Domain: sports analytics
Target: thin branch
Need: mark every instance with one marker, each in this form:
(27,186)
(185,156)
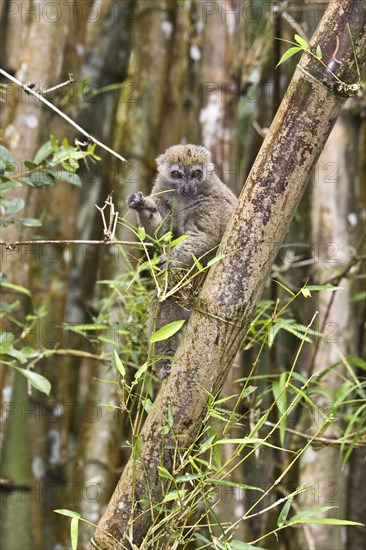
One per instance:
(63,115)
(54,88)
(74,353)
(326,441)
(110,228)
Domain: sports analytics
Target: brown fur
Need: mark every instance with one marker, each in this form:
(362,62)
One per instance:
(195,205)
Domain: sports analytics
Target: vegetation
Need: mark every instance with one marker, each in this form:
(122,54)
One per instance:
(276,458)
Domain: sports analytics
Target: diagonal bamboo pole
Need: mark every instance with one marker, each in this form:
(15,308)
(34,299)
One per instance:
(233,287)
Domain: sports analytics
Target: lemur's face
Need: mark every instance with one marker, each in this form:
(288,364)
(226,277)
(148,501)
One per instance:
(185,168)
(186,180)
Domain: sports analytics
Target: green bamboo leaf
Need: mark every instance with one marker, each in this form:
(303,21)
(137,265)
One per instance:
(7,159)
(292,329)
(306,514)
(238,545)
(12,206)
(200,537)
(216,455)
(39,179)
(68,513)
(136,449)
(174,495)
(359,297)
(167,331)
(224,399)
(187,477)
(307,399)
(163,472)
(178,240)
(8,184)
(284,287)
(170,415)
(306,292)
(30,165)
(207,444)
(216,259)
(197,263)
(147,405)
(117,363)
(167,237)
(6,337)
(20,355)
(74,533)
(319,53)
(328,288)
(141,371)
(357,361)
(233,484)
(109,407)
(38,381)
(69,177)
(280,395)
(302,42)
(239,441)
(43,152)
(17,288)
(288,53)
(284,512)
(247,391)
(141,233)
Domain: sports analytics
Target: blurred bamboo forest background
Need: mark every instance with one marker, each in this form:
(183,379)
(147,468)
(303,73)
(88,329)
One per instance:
(148,74)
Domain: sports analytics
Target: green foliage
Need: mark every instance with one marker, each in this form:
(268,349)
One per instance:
(74,525)
(193,487)
(167,331)
(16,351)
(52,162)
(202,471)
(300,45)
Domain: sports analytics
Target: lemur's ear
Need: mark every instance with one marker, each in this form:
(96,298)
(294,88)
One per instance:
(160,160)
(206,152)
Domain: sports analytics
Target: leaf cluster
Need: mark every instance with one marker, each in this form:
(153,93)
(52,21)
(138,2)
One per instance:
(53,162)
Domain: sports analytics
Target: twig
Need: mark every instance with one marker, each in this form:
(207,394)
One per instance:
(109,229)
(44,91)
(74,353)
(63,115)
(11,245)
(54,88)
(326,441)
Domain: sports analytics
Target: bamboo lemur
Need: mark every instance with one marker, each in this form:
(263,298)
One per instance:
(189,199)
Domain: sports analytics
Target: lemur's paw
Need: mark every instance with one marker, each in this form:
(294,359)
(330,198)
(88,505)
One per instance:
(136,201)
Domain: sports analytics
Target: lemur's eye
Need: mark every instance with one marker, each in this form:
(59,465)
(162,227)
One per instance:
(176,175)
(197,173)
